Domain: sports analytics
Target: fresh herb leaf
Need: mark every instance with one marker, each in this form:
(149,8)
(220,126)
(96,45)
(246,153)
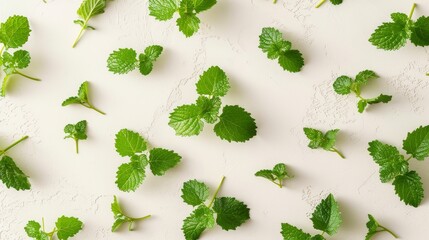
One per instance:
(87,10)
(10,174)
(76,132)
(271,42)
(121,218)
(230,213)
(394,166)
(65,228)
(325,141)
(290,232)
(276,175)
(131,175)
(234,124)
(82,98)
(374,227)
(344,85)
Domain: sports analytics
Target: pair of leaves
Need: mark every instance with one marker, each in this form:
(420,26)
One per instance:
(121,217)
(65,228)
(374,227)
(188,22)
(276,175)
(320,140)
(326,218)
(10,174)
(131,175)
(234,124)
(344,85)
(125,60)
(76,132)
(394,166)
(87,10)
(82,98)
(230,213)
(394,35)
(271,42)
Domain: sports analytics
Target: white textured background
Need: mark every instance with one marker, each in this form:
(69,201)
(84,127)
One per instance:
(333,40)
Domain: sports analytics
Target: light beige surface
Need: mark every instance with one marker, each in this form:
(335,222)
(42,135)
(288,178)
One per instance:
(333,41)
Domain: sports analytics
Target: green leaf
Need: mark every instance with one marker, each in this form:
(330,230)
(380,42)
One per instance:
(290,232)
(231,213)
(68,227)
(363,77)
(315,136)
(372,226)
(362,105)
(213,82)
(12,176)
(343,85)
(128,143)
(161,160)
(391,162)
(389,36)
(145,64)
(199,220)
(82,93)
(90,8)
(194,192)
(336,2)
(15,31)
(203,5)
(318,237)
(153,52)
(380,99)
(186,120)
(420,32)
(291,60)
(122,61)
(235,124)
(417,143)
(130,176)
(163,9)
(21,58)
(33,229)
(280,171)
(409,188)
(266,173)
(329,139)
(71,100)
(118,223)
(115,207)
(76,131)
(327,216)
(400,18)
(209,108)
(271,42)
(188,24)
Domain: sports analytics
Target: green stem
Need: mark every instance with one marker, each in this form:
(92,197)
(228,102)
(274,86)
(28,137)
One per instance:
(408,159)
(90,106)
(320,3)
(77,145)
(216,192)
(79,36)
(389,231)
(24,75)
(412,11)
(142,218)
(338,152)
(2,49)
(130,226)
(13,145)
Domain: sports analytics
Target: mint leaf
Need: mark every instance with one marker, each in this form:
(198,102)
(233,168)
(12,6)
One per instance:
(325,141)
(163,9)
(272,43)
(290,232)
(417,143)
(329,139)
(199,220)
(76,132)
(130,176)
(327,216)
(420,32)
(374,227)
(122,61)
(121,217)
(213,82)
(33,229)
(68,227)
(82,98)
(21,59)
(87,10)
(186,120)
(409,188)
(235,124)
(336,2)
(12,176)
(276,175)
(315,136)
(380,99)
(161,160)
(147,59)
(231,213)
(209,108)
(129,143)
(194,192)
(363,77)
(14,32)
(188,24)
(343,85)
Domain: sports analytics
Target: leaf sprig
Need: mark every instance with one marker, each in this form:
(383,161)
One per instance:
(230,213)
(325,141)
(374,227)
(335,2)
(10,174)
(122,218)
(14,33)
(131,175)
(188,22)
(326,218)
(65,228)
(276,175)
(344,85)
(82,98)
(394,35)
(124,60)
(87,10)
(394,166)
(76,132)
(271,42)
(234,124)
